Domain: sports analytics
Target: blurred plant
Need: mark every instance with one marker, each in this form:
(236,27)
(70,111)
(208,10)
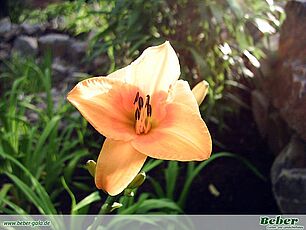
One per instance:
(36,154)
(216,41)
(77,17)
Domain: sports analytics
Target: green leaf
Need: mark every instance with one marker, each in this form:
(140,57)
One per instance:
(151,164)
(86,201)
(158,204)
(43,138)
(235,7)
(157,187)
(76,156)
(4,190)
(171,174)
(41,199)
(17,210)
(73,200)
(29,194)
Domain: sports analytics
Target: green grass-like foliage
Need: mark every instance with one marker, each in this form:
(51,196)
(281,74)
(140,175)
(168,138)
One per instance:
(214,39)
(34,156)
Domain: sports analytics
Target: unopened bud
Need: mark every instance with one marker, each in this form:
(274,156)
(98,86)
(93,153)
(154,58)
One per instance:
(200,91)
(91,167)
(138,180)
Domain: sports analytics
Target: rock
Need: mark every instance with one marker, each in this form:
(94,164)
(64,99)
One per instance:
(292,156)
(8,30)
(280,110)
(5,46)
(291,190)
(29,29)
(278,133)
(5,50)
(61,71)
(286,86)
(14,32)
(58,23)
(288,175)
(269,123)
(99,65)
(4,55)
(26,45)
(5,26)
(260,106)
(76,52)
(56,43)
(40,4)
(74,78)
(292,44)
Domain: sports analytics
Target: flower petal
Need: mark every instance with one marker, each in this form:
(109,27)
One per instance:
(182,135)
(117,166)
(123,74)
(107,104)
(181,93)
(155,70)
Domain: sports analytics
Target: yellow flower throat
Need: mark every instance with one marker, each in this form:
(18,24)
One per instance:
(143,114)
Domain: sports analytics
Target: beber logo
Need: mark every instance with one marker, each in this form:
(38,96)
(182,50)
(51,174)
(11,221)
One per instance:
(280,222)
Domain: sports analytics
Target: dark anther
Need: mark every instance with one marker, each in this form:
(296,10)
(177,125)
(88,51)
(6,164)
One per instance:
(137,114)
(148,100)
(149,110)
(140,102)
(136,98)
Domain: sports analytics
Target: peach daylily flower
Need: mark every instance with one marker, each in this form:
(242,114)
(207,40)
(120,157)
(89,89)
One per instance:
(142,110)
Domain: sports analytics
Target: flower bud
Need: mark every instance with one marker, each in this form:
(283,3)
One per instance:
(137,181)
(200,91)
(91,167)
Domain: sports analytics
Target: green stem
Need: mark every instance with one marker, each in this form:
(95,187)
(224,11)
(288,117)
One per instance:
(107,206)
(105,209)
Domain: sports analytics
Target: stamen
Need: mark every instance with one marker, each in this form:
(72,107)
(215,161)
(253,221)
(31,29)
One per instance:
(136,98)
(143,113)
(149,110)
(140,102)
(148,100)
(148,125)
(137,114)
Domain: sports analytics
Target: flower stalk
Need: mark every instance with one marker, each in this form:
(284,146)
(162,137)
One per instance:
(110,205)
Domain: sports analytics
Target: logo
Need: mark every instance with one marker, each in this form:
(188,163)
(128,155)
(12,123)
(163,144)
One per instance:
(279,222)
